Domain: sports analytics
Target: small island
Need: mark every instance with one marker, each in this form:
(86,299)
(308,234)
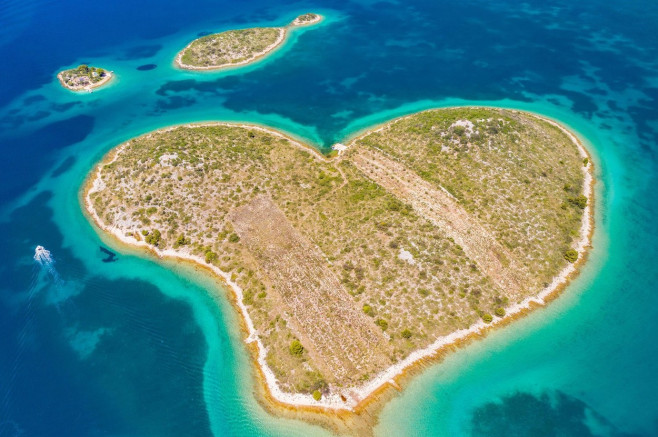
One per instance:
(351,269)
(84,78)
(306,20)
(237,47)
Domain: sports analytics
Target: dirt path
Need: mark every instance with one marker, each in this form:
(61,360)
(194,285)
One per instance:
(339,337)
(439,207)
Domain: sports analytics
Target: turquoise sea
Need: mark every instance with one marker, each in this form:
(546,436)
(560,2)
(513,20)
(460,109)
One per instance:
(137,347)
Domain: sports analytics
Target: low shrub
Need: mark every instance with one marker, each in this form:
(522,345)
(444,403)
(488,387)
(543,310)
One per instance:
(571,255)
(211,256)
(153,238)
(579,201)
(296,348)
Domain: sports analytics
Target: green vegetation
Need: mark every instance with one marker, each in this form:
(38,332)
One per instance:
(571,255)
(296,347)
(95,74)
(210,256)
(317,395)
(181,241)
(500,312)
(382,324)
(488,318)
(82,77)
(406,333)
(580,201)
(306,18)
(153,237)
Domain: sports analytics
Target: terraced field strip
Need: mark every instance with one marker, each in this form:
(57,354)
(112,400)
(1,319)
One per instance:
(442,209)
(339,337)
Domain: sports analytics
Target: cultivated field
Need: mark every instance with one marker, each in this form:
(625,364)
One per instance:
(341,339)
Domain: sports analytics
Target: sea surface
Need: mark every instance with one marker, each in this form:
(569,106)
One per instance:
(137,347)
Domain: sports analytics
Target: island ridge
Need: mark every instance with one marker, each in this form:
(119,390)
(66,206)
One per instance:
(434,224)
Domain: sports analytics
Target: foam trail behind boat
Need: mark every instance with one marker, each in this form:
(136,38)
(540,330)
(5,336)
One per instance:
(58,293)
(43,257)
(25,322)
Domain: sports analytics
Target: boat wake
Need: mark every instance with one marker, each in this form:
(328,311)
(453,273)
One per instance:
(43,257)
(60,290)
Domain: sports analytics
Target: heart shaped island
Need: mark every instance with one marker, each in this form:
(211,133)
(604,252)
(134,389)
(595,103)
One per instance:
(350,268)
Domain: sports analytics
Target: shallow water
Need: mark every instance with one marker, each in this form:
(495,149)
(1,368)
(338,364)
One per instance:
(134,347)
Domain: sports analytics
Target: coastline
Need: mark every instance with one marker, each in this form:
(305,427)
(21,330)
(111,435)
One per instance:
(280,41)
(366,400)
(89,88)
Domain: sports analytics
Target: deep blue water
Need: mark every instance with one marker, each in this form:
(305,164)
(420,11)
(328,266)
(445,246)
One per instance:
(134,347)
